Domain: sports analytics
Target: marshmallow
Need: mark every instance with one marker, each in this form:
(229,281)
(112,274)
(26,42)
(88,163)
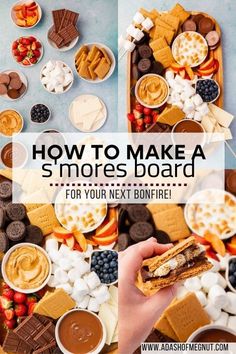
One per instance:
(83,304)
(92,280)
(64,251)
(93,305)
(129,46)
(221,280)
(169,75)
(231,305)
(45,71)
(147,24)
(179,80)
(82,266)
(68,79)
(197,100)
(74,255)
(190,115)
(138,34)
(212,311)
(197,116)
(183,96)
(193,284)
(222,320)
(45,80)
(67,287)
(101,294)
(203,109)
(54,267)
(50,86)
(189,91)
(52,282)
(61,276)
(208,280)
(232,322)
(188,106)
(65,264)
(121,41)
(54,256)
(181,292)
(76,295)
(130,30)
(73,274)
(172,83)
(216,265)
(81,287)
(201,297)
(50,65)
(178,88)
(217,296)
(179,104)
(66,70)
(59,89)
(51,244)
(88,252)
(138,18)
(223,261)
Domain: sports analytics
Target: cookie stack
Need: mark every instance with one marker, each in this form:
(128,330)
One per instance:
(11,85)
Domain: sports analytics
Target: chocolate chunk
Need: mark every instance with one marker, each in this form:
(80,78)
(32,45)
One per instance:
(55,37)
(159,128)
(141,231)
(14,94)
(135,72)
(157,68)
(124,241)
(231,182)
(212,38)
(5,190)
(68,34)
(206,25)
(138,213)
(46,335)
(16,230)
(162,237)
(135,56)
(189,25)
(14,75)
(145,51)
(4,242)
(197,18)
(144,65)
(3,89)
(14,344)
(28,329)
(33,234)
(145,39)
(4,79)
(47,349)
(2,217)
(16,212)
(15,83)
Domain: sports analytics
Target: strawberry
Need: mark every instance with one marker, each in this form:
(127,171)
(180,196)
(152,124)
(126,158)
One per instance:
(31,308)
(5,285)
(37,53)
(20,298)
(24,54)
(15,52)
(25,41)
(19,58)
(137,114)
(25,62)
(5,303)
(147,111)
(139,107)
(10,324)
(147,119)
(41,292)
(21,310)
(33,46)
(154,116)
(9,314)
(33,60)
(131,117)
(139,128)
(38,45)
(32,39)
(139,121)
(14,45)
(31,299)
(8,293)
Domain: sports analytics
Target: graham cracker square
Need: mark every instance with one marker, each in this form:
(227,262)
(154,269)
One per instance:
(172,222)
(158,208)
(164,56)
(163,326)
(171,116)
(161,31)
(44,217)
(180,12)
(161,23)
(186,315)
(171,20)
(158,44)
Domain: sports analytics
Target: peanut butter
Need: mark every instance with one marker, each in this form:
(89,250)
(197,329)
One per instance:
(153,90)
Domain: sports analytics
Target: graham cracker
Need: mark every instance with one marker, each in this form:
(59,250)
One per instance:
(159,22)
(164,56)
(157,208)
(171,20)
(44,217)
(164,327)
(179,11)
(83,49)
(171,116)
(102,69)
(186,315)
(158,44)
(149,14)
(173,223)
(161,31)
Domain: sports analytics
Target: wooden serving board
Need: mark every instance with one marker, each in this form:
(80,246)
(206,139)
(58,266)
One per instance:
(219,76)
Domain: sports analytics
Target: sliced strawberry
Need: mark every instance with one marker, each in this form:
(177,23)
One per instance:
(137,114)
(9,314)
(25,62)
(37,53)
(5,303)
(8,293)
(31,308)
(131,117)
(21,310)
(33,46)
(10,324)
(20,298)
(31,299)
(14,45)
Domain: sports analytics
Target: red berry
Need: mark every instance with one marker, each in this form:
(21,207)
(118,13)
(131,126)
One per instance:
(10,324)
(31,308)
(147,111)
(131,117)
(21,310)
(36,53)
(14,45)
(31,299)
(9,314)
(139,107)
(33,60)
(19,58)
(147,119)
(32,39)
(38,45)
(8,293)
(5,303)
(20,298)
(139,128)
(154,117)
(5,286)
(139,121)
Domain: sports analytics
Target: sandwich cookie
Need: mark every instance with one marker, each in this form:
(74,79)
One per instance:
(141,231)
(16,231)
(5,190)
(33,234)
(16,212)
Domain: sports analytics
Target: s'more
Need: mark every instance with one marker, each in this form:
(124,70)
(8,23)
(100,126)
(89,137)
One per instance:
(185,260)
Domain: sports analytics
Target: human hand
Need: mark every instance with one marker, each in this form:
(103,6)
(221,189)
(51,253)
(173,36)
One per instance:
(137,312)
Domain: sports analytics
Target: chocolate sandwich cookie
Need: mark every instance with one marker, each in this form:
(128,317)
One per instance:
(4,79)
(141,231)
(15,83)
(4,203)
(144,66)
(122,220)
(162,237)
(145,51)
(13,93)
(206,25)
(16,212)
(33,234)
(2,217)
(212,38)
(135,72)
(3,89)
(124,241)
(5,190)
(157,68)
(138,213)
(16,230)
(189,25)
(197,18)
(4,242)
(135,56)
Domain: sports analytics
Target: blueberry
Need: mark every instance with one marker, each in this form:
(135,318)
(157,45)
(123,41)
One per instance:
(100,262)
(97,266)
(113,264)
(105,259)
(92,269)
(106,276)
(95,254)
(109,257)
(110,270)
(94,261)
(232,267)
(116,274)
(106,266)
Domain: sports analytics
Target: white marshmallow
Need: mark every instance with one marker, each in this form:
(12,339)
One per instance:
(222,320)
(66,70)
(193,284)
(73,274)
(212,311)
(221,280)
(223,261)
(51,244)
(52,282)
(216,266)
(129,46)
(207,77)
(138,18)
(76,295)
(101,294)
(201,297)
(130,30)
(189,91)
(54,267)
(68,79)
(59,64)
(183,96)
(83,304)
(203,109)
(169,75)
(92,280)
(50,65)
(138,34)
(172,83)
(93,305)
(82,266)
(232,322)
(50,86)
(61,276)
(45,80)
(190,115)
(178,88)
(64,251)
(45,71)
(231,305)
(217,296)
(60,79)
(194,81)
(54,256)
(175,96)
(197,100)
(181,292)
(197,116)
(56,72)
(67,287)
(81,286)
(208,280)
(179,104)
(147,24)
(65,264)
(59,89)
(88,252)
(74,255)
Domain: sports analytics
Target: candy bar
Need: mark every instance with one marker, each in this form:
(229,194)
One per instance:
(14,344)
(69,17)
(57,18)
(56,38)
(68,34)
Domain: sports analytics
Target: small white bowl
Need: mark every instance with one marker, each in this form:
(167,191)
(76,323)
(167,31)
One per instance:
(46,121)
(6,257)
(66,88)
(100,345)
(227,274)
(139,99)
(21,2)
(215,99)
(26,155)
(62,49)
(23,79)
(22,121)
(97,250)
(113,64)
(207,327)
(39,58)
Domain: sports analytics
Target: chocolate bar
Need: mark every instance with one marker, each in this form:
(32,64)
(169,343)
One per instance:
(69,17)
(57,18)
(55,37)
(47,349)
(46,335)
(14,344)
(68,34)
